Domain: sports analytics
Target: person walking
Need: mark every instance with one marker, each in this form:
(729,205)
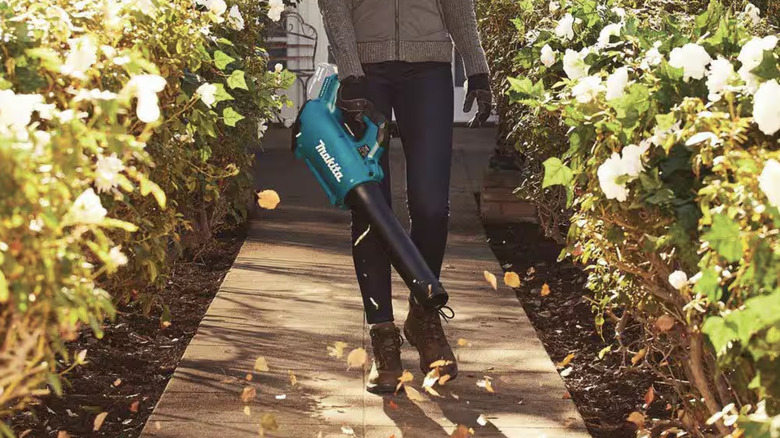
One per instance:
(396,56)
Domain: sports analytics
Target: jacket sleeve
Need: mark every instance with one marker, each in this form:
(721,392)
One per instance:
(461,20)
(337,18)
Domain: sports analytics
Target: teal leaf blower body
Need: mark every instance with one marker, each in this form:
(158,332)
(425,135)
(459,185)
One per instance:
(348,170)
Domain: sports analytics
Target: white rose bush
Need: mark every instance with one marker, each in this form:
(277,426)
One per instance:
(670,174)
(126,135)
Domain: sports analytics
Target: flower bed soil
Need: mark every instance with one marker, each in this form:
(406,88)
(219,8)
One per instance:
(605,390)
(129,368)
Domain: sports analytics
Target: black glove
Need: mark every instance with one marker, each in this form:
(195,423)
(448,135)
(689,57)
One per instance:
(478,88)
(353,101)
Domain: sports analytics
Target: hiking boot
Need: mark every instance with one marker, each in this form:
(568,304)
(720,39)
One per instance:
(424,331)
(386,342)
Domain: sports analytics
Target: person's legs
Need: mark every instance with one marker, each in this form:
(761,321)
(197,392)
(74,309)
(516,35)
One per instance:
(372,263)
(424,108)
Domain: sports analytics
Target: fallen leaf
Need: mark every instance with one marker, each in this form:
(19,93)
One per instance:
(545,290)
(337,350)
(293,379)
(530,271)
(440,363)
(346,430)
(463,343)
(431,391)
(664,323)
(566,372)
(248,394)
(511,279)
(25,433)
(63,434)
(566,395)
(98,423)
(638,356)
(406,377)
(268,422)
(444,379)
(486,383)
(649,395)
(268,199)
(261,365)
(157,425)
(357,358)
(461,432)
(565,361)
(247,411)
(134,406)
(117,382)
(637,418)
(413,394)
(392,404)
(481,420)
(166,324)
(490,278)
(431,378)
(249,377)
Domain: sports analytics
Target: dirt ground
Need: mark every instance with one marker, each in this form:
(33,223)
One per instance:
(129,368)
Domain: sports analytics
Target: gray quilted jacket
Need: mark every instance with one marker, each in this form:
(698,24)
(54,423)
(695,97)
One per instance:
(367,31)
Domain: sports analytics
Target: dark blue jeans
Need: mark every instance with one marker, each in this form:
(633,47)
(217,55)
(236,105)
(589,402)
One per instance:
(421,94)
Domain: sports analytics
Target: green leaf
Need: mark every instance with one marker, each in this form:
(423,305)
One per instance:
(222,59)
(632,105)
(4,292)
(221,94)
(236,80)
(556,173)
(225,41)
(724,238)
(50,59)
(149,186)
(116,223)
(709,285)
(231,116)
(55,383)
(719,333)
(767,70)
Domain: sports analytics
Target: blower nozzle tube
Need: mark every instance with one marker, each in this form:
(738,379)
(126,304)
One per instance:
(404,255)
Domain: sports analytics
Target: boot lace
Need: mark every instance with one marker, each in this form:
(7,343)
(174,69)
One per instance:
(384,346)
(431,323)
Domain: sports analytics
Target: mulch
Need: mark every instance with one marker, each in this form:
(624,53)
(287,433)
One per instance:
(129,368)
(605,390)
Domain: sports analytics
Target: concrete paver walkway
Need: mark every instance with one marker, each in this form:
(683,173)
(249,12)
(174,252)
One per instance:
(292,293)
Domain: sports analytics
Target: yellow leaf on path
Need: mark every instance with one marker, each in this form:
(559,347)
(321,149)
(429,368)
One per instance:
(440,363)
(639,356)
(463,343)
(565,361)
(268,422)
(98,423)
(247,411)
(431,378)
(637,418)
(444,379)
(357,358)
(406,377)
(511,279)
(487,384)
(337,350)
(431,391)
(268,199)
(117,382)
(134,406)
(261,365)
(490,278)
(157,425)
(293,379)
(413,394)
(249,377)
(545,290)
(665,323)
(248,394)
(649,395)
(461,432)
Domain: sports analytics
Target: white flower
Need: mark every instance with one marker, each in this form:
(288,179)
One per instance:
(45,110)
(608,173)
(620,12)
(116,257)
(87,209)
(261,128)
(574,63)
(678,279)
(616,83)
(16,110)
(93,95)
(587,88)
(106,171)
(146,88)
(692,58)
(278,68)
(548,56)
(766,107)
(653,57)
(564,28)
(608,31)
(554,6)
(235,18)
(207,93)
(36,225)
(632,159)
(721,71)
(769,182)
(275,9)
(82,55)
(752,13)
(216,7)
(145,6)
(750,56)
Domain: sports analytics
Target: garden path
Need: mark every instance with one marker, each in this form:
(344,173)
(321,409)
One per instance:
(292,293)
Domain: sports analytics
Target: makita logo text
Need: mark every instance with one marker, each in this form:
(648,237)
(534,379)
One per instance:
(334,167)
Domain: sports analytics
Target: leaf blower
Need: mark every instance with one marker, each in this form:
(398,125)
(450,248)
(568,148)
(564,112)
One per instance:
(348,170)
